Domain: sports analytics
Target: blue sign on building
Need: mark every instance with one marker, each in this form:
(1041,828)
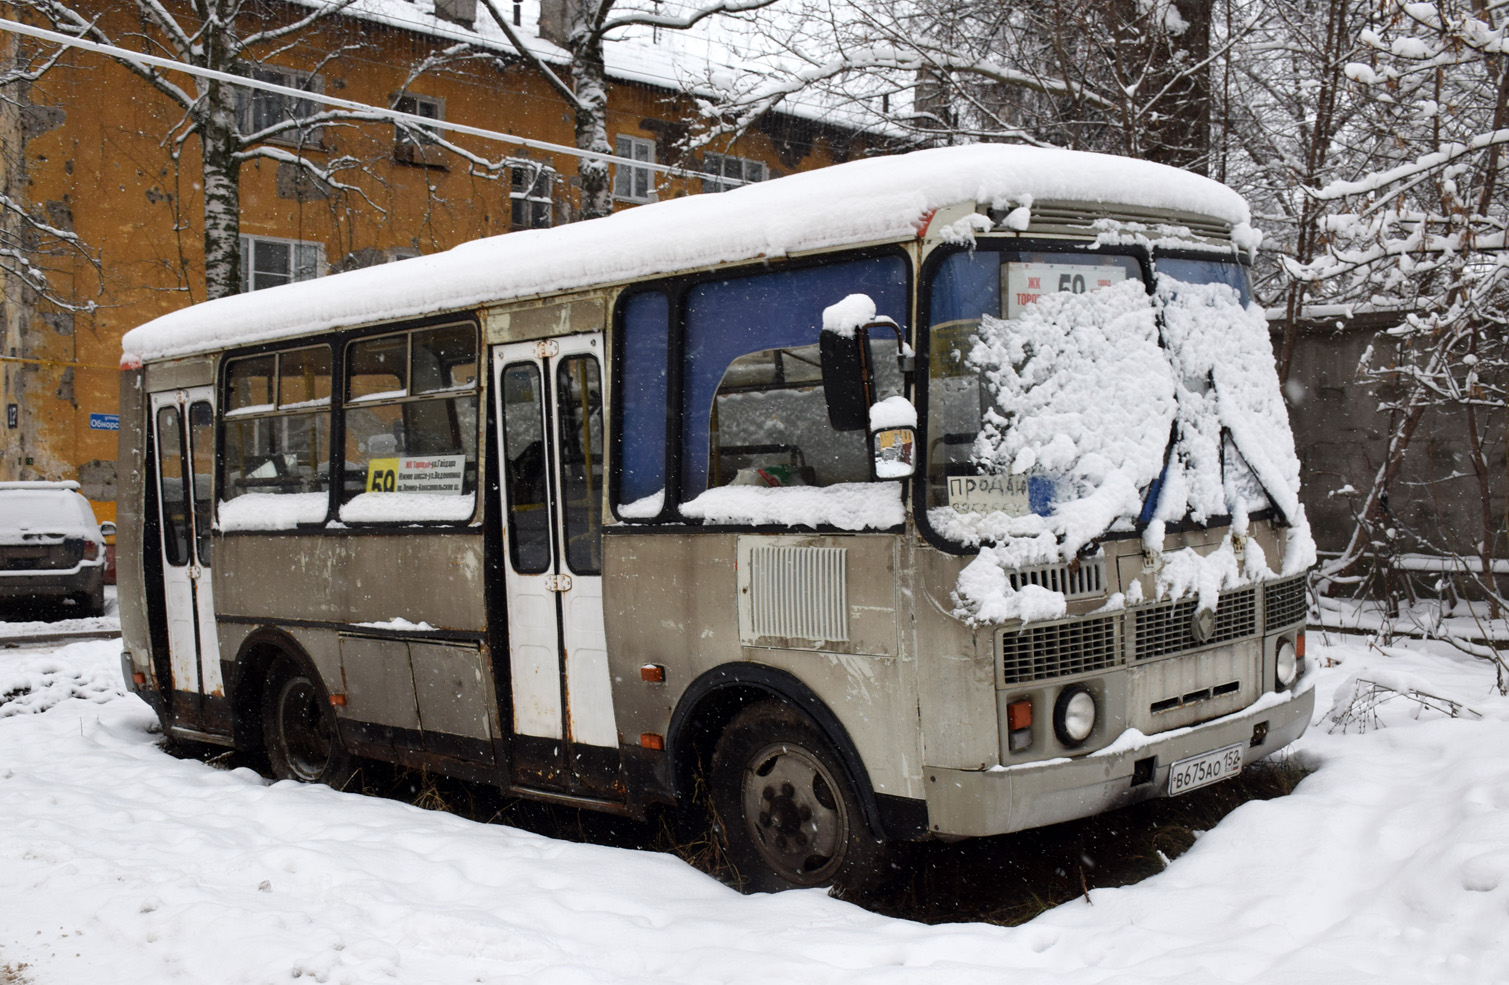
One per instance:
(104,422)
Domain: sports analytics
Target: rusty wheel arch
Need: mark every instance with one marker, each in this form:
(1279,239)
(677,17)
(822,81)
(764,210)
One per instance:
(712,700)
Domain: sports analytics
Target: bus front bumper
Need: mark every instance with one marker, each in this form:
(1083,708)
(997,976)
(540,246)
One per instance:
(968,803)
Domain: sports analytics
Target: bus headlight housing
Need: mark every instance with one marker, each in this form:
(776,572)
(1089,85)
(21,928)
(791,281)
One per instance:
(1074,715)
(1288,664)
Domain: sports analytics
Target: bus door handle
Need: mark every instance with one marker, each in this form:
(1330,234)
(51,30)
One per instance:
(558,583)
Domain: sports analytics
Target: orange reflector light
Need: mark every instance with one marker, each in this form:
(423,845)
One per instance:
(1299,645)
(1019,714)
(653,673)
(139,677)
(650,740)
(338,700)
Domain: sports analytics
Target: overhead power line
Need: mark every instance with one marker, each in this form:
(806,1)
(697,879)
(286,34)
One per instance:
(156,61)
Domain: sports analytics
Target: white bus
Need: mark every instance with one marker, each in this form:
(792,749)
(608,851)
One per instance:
(933,496)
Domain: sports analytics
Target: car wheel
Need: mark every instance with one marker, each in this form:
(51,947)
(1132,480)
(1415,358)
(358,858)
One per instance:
(785,807)
(299,729)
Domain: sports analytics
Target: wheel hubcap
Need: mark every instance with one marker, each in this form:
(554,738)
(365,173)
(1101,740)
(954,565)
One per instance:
(794,812)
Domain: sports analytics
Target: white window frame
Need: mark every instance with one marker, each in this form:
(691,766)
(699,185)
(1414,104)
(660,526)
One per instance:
(631,184)
(539,192)
(250,103)
(732,171)
(306,261)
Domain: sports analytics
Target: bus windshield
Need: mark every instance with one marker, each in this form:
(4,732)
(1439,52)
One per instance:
(1055,383)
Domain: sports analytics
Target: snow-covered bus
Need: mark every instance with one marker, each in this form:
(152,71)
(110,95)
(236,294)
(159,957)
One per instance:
(933,496)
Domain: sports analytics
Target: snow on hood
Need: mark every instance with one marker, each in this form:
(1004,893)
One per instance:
(1088,400)
(871,200)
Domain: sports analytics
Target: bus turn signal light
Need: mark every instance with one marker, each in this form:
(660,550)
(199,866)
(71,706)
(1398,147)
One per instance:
(339,700)
(1019,724)
(651,740)
(652,674)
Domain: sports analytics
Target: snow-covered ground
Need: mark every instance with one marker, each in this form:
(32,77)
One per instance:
(122,864)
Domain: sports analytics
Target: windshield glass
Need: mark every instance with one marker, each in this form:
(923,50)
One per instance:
(1065,402)
(1015,403)
(1207,271)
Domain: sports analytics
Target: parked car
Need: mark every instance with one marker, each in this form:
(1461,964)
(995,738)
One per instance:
(51,548)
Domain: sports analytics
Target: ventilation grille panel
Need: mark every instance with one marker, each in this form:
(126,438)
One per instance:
(799,592)
(1079,580)
(1165,629)
(1044,652)
(1285,602)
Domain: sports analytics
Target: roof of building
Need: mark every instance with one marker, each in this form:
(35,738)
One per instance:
(677,60)
(865,201)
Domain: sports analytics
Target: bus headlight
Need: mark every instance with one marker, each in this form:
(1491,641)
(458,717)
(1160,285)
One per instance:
(1288,664)
(1074,715)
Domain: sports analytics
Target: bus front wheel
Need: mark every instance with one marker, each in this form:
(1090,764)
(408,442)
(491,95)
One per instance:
(784,804)
(299,730)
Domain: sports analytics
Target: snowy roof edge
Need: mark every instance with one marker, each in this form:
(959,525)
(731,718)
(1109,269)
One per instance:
(553,54)
(865,201)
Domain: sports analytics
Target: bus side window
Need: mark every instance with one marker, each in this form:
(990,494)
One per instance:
(753,409)
(277,425)
(411,425)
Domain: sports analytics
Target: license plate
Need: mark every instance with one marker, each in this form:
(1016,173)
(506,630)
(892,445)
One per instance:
(1204,769)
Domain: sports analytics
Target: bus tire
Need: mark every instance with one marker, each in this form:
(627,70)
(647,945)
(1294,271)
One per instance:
(785,808)
(299,731)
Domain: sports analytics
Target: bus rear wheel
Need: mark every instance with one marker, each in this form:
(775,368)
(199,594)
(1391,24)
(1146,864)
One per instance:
(299,730)
(787,811)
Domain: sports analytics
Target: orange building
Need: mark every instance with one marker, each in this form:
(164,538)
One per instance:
(92,150)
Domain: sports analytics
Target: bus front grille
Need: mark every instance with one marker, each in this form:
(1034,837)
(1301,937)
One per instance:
(1044,652)
(1284,602)
(1166,629)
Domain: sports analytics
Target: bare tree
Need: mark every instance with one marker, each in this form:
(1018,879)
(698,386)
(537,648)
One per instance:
(230,126)
(29,238)
(1125,77)
(583,27)
(1425,231)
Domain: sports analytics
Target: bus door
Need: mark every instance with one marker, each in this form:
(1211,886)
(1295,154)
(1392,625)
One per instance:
(550,434)
(183,423)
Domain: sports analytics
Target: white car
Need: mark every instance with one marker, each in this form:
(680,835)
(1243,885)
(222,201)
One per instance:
(51,548)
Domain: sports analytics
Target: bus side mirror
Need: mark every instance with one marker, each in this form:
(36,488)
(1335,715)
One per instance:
(893,438)
(844,384)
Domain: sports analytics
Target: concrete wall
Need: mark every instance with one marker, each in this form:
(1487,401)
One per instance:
(1341,434)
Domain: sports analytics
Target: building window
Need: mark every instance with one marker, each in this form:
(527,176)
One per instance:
(731,171)
(415,143)
(530,196)
(633,184)
(258,110)
(268,262)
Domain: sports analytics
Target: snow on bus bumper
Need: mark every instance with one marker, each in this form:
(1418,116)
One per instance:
(1133,768)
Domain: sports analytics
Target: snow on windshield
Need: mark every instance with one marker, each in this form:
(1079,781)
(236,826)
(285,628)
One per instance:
(1085,403)
(1233,441)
